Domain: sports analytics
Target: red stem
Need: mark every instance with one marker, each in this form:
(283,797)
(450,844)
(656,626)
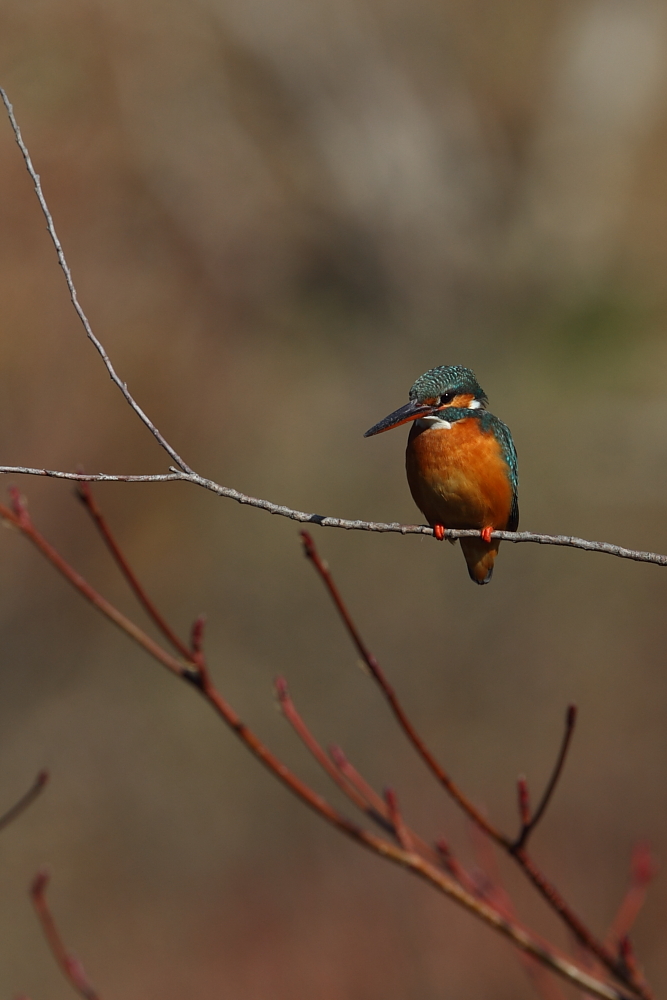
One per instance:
(288,709)
(85,495)
(389,693)
(20,519)
(514,847)
(642,871)
(70,967)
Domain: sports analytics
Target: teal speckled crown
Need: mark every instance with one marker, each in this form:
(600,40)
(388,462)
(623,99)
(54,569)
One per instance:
(447,378)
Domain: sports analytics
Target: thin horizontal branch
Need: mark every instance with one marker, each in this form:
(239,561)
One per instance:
(83,477)
(324,521)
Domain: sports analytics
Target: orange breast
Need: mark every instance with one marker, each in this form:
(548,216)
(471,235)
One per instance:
(458,476)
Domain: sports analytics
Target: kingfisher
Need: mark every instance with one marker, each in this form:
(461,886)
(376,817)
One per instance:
(460,461)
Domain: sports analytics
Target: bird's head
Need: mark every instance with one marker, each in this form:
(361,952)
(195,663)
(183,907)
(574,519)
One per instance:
(447,387)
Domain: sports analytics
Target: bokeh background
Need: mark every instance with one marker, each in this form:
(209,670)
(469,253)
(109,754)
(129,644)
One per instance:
(278,215)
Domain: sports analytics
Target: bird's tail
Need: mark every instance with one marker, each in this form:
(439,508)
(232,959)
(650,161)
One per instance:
(480,557)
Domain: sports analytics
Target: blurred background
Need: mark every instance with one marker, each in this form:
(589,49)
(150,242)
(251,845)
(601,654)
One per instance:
(278,215)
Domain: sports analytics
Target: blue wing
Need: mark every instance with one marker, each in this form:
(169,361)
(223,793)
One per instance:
(504,439)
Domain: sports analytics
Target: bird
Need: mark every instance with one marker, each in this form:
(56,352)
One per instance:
(460,461)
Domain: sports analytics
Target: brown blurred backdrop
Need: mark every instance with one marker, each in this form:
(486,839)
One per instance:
(277,216)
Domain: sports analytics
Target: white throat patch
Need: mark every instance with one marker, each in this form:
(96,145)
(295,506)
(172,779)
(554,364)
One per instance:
(434,422)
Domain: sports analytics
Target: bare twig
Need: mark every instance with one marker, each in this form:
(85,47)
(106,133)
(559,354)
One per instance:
(200,678)
(324,521)
(72,292)
(26,799)
(529,823)
(70,966)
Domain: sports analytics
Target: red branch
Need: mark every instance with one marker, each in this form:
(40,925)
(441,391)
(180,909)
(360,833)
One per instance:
(516,848)
(643,870)
(389,693)
(85,495)
(350,781)
(70,966)
(195,671)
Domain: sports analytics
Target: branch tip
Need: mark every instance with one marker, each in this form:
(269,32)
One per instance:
(282,692)
(39,883)
(197,633)
(523,795)
(643,865)
(337,755)
(443,848)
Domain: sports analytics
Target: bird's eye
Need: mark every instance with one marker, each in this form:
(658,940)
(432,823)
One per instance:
(447,397)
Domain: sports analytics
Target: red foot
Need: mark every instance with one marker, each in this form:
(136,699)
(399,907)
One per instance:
(486,533)
(439,531)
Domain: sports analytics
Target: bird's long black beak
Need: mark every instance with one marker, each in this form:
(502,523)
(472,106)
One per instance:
(411,411)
